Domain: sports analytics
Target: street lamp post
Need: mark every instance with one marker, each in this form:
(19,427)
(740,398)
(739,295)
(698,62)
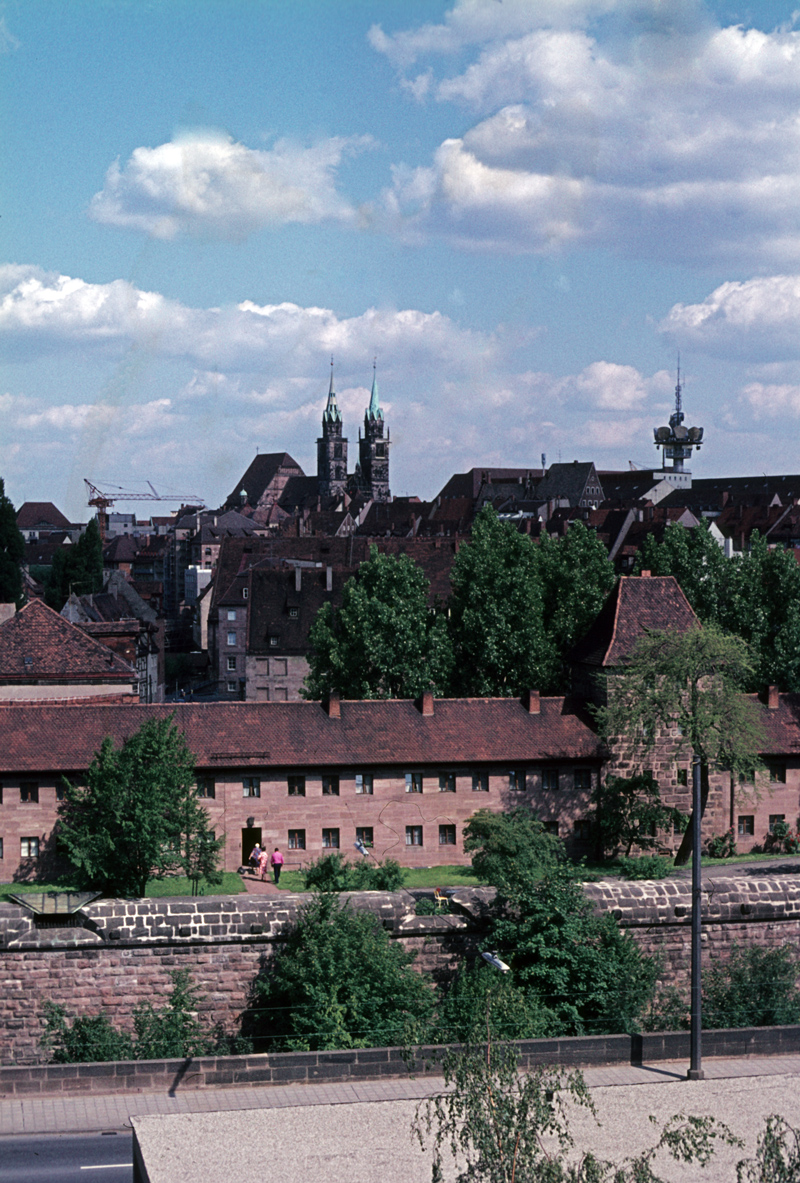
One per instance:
(696,1035)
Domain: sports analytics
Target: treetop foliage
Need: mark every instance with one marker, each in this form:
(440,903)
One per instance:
(692,684)
(628,812)
(383,642)
(139,816)
(12,552)
(77,568)
(332,872)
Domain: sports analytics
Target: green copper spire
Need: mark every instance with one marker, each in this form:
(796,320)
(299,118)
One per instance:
(374,411)
(331,414)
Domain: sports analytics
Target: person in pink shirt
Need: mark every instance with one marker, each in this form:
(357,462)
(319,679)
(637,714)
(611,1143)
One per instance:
(277,863)
(263,863)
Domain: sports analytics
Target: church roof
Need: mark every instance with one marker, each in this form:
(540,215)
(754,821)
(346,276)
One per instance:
(261,474)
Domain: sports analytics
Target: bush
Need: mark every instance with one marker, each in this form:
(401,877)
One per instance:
(169,1032)
(338,982)
(646,866)
(753,988)
(425,907)
(332,872)
(722,845)
(782,839)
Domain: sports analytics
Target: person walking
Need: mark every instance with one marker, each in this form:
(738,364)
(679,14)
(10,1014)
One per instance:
(255,856)
(277,863)
(263,863)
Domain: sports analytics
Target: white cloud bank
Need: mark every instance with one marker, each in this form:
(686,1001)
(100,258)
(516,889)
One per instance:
(758,320)
(207,184)
(668,138)
(168,391)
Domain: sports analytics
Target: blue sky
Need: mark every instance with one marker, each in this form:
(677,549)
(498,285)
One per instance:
(522,210)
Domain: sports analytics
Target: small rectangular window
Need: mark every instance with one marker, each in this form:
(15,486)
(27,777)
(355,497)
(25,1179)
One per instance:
(413,835)
(273,641)
(550,779)
(330,786)
(447,836)
(1,847)
(330,839)
(774,818)
(231,638)
(29,848)
(206,787)
(232,665)
(29,792)
(447,782)
(746,827)
(583,829)
(245,591)
(294,613)
(413,782)
(231,614)
(297,786)
(582,779)
(364,783)
(517,780)
(232,688)
(551,828)
(777,773)
(61,791)
(297,839)
(480,782)
(364,834)
(682,776)
(251,786)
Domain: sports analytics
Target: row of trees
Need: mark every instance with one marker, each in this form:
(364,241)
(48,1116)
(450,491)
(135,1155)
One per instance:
(515,609)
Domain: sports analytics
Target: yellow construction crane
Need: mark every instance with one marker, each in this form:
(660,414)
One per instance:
(102,502)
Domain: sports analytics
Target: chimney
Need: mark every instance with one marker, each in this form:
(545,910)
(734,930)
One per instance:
(644,574)
(298,578)
(532,702)
(329,579)
(334,705)
(772,698)
(426,703)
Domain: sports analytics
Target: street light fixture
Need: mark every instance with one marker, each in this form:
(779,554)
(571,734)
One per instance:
(495,961)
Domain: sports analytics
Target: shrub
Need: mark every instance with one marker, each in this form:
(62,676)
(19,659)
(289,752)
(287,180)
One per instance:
(86,1039)
(753,988)
(425,907)
(646,866)
(332,872)
(782,839)
(722,845)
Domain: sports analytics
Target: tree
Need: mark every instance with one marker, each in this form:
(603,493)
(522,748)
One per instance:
(628,812)
(698,564)
(77,568)
(338,982)
(754,987)
(12,552)
(500,644)
(139,816)
(504,1126)
(576,576)
(510,848)
(689,684)
(384,641)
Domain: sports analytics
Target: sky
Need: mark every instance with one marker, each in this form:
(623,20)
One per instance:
(518,211)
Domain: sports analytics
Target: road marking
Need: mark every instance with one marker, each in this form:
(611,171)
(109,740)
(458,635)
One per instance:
(107,1166)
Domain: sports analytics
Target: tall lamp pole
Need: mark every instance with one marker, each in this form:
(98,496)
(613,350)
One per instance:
(696,1036)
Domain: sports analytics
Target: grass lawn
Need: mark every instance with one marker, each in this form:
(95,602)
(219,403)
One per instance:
(415,877)
(156,889)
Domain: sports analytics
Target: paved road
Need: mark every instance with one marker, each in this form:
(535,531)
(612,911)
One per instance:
(67,1158)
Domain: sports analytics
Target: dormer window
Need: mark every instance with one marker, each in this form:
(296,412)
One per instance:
(294,613)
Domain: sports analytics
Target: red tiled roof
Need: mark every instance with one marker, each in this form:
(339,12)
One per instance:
(636,605)
(37,513)
(38,645)
(782,726)
(276,734)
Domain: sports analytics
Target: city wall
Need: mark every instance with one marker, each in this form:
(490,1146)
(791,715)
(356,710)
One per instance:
(116,953)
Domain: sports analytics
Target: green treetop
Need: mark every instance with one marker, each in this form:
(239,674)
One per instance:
(139,816)
(384,641)
(500,645)
(12,552)
(77,568)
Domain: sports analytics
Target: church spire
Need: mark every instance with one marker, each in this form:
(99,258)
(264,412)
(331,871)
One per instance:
(331,414)
(374,411)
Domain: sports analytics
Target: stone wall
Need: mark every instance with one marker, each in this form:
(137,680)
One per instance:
(121,952)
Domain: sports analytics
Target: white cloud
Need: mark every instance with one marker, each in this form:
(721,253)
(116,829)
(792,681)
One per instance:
(209,185)
(772,401)
(8,42)
(758,319)
(677,140)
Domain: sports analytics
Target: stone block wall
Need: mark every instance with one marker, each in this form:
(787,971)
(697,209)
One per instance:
(121,952)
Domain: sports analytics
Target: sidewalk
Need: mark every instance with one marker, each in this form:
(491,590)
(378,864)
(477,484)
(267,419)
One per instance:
(45,1115)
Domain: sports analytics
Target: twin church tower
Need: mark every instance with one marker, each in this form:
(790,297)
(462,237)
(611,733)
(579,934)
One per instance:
(371,477)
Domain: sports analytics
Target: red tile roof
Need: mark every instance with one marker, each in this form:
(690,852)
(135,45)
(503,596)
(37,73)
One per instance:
(40,513)
(276,734)
(39,645)
(636,605)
